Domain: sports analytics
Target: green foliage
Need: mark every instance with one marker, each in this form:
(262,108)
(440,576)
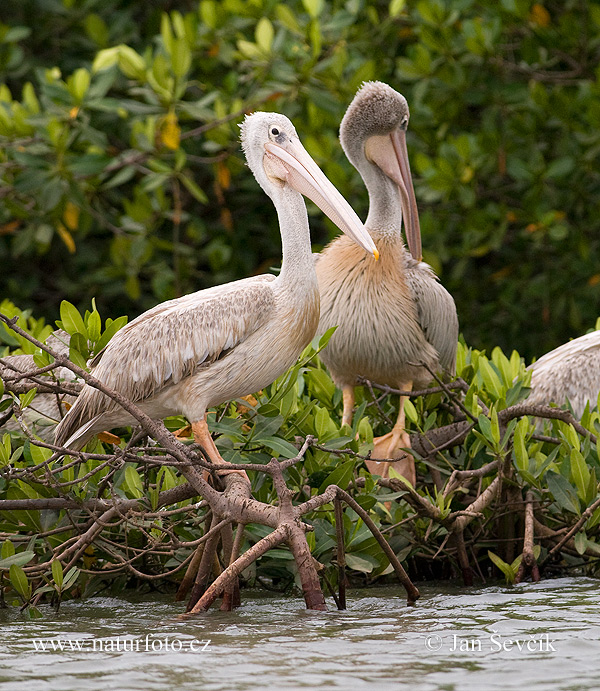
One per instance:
(121,167)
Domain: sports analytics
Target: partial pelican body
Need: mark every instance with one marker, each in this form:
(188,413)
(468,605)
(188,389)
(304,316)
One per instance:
(570,372)
(188,354)
(392,315)
(46,409)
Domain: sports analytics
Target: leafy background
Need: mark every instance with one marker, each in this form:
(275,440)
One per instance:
(121,176)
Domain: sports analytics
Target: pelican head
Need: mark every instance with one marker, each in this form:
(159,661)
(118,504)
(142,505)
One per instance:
(373,130)
(280,162)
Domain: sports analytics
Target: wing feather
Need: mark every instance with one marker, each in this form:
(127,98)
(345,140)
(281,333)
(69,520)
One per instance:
(436,312)
(171,341)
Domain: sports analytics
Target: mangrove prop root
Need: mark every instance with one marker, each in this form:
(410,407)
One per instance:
(190,574)
(412,591)
(272,540)
(340,552)
(463,558)
(528,562)
(231,596)
(206,564)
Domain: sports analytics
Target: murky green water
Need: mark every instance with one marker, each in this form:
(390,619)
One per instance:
(532,637)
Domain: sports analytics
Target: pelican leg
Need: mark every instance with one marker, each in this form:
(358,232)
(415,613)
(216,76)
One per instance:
(392,445)
(203,437)
(348,398)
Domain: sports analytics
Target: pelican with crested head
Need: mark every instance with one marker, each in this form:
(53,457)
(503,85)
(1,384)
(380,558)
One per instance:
(197,351)
(396,322)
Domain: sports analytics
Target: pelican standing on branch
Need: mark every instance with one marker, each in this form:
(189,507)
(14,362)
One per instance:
(392,315)
(191,353)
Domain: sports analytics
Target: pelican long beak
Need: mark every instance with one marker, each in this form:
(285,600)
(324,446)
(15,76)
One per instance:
(393,161)
(290,162)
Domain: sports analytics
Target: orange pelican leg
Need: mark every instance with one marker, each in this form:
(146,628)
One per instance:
(203,437)
(392,445)
(348,398)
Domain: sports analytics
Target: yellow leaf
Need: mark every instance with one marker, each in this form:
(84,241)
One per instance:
(170,132)
(66,237)
(9,227)
(539,15)
(223,175)
(467,175)
(74,112)
(71,216)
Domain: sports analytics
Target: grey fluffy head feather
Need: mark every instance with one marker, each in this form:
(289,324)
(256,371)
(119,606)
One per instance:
(377,109)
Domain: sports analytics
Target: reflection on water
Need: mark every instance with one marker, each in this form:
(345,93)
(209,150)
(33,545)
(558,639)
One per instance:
(531,636)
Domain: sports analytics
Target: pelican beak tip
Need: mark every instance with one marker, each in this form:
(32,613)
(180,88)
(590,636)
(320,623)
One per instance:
(376,254)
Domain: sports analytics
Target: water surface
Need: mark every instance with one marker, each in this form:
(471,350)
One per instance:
(543,636)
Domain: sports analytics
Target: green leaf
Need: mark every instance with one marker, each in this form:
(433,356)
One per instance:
(266,427)
(39,454)
(134,482)
(580,541)
(208,13)
(8,549)
(280,447)
(131,63)
(57,573)
(20,559)
(77,358)
(507,569)
(580,473)
(358,563)
(196,192)
(491,380)
(72,321)
(561,167)
(94,326)
(519,446)
(323,423)
(313,7)
(70,577)
(485,426)
(396,7)
(79,83)
(410,411)
(341,476)
(264,34)
(181,57)
(105,59)
(25,399)
(20,582)
(563,492)
(166,32)
(110,330)
(5,449)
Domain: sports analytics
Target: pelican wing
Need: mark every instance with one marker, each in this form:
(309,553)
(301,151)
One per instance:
(566,352)
(570,372)
(174,339)
(436,312)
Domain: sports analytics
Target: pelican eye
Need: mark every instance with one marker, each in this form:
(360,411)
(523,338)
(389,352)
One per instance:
(276,134)
(404,123)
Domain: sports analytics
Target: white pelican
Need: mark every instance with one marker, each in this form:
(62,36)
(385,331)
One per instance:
(570,372)
(188,354)
(394,314)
